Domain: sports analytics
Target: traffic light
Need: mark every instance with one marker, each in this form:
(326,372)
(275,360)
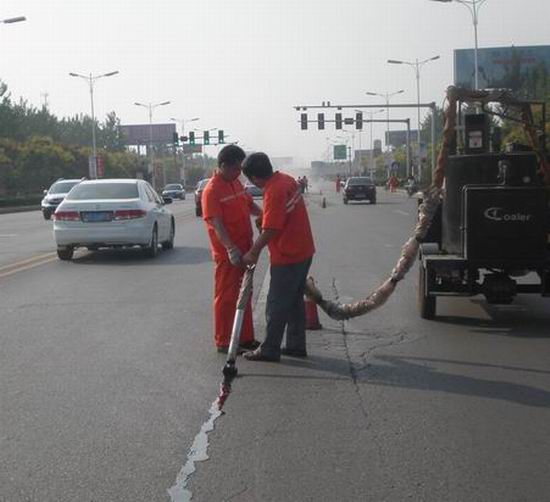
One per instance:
(206,137)
(192,138)
(220,137)
(183,138)
(175,138)
(321,121)
(338,119)
(303,121)
(359,120)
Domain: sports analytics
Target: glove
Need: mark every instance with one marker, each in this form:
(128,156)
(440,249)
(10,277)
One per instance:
(235,256)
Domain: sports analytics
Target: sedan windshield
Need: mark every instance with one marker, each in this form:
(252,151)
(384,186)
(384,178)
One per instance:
(62,187)
(173,187)
(360,181)
(98,191)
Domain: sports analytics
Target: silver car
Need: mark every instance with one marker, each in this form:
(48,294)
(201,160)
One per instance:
(113,213)
(55,195)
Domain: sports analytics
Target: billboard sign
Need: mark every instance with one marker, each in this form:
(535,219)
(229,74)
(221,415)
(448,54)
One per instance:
(143,134)
(514,68)
(399,138)
(192,148)
(340,152)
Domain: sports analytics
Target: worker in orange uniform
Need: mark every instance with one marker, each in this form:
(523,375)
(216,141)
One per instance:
(393,182)
(226,210)
(287,233)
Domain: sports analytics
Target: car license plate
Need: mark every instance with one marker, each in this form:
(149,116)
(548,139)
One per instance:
(96,216)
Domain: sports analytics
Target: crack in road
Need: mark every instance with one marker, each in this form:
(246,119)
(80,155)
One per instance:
(352,370)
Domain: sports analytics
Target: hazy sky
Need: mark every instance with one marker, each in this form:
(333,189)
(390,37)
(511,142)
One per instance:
(242,65)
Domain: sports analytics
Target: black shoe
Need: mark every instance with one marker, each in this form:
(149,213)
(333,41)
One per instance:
(293,353)
(252,345)
(256,355)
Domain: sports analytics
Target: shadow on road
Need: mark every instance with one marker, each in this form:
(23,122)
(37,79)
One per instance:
(409,373)
(523,320)
(124,257)
(399,371)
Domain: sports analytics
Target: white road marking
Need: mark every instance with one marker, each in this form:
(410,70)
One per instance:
(7,236)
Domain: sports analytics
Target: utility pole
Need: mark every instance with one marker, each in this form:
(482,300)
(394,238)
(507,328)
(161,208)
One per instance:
(417,65)
(91,80)
(150,107)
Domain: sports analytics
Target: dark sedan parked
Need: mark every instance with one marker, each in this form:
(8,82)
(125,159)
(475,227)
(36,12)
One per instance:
(198,196)
(359,188)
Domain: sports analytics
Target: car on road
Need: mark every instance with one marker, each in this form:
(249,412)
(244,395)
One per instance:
(113,213)
(201,185)
(174,191)
(254,191)
(359,188)
(55,195)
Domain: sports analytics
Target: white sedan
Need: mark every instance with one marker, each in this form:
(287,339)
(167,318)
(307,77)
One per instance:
(113,213)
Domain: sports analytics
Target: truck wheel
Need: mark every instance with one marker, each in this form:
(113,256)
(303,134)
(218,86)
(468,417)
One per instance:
(47,215)
(426,303)
(65,254)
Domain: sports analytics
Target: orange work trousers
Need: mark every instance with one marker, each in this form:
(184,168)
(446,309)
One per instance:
(227,283)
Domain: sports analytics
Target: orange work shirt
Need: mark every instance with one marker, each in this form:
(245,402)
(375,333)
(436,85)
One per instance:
(285,210)
(228,201)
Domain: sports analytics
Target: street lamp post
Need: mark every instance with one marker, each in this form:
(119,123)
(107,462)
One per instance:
(150,107)
(387,96)
(417,65)
(473,6)
(11,20)
(91,79)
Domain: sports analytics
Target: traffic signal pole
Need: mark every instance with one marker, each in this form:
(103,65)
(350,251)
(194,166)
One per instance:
(338,120)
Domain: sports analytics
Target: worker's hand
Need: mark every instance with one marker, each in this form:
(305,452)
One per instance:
(250,258)
(235,256)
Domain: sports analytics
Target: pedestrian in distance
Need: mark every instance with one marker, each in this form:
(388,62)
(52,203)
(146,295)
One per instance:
(393,183)
(286,232)
(227,208)
(338,183)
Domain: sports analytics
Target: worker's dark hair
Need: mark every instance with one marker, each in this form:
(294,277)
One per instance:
(231,155)
(257,164)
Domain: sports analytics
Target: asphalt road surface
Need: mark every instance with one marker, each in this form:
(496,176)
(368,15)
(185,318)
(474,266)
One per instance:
(108,372)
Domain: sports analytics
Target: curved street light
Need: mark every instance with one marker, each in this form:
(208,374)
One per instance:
(90,80)
(12,20)
(473,6)
(387,96)
(150,107)
(417,65)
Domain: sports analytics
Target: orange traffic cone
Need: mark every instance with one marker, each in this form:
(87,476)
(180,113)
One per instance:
(312,319)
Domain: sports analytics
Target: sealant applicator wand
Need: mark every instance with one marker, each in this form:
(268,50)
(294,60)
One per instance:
(230,368)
